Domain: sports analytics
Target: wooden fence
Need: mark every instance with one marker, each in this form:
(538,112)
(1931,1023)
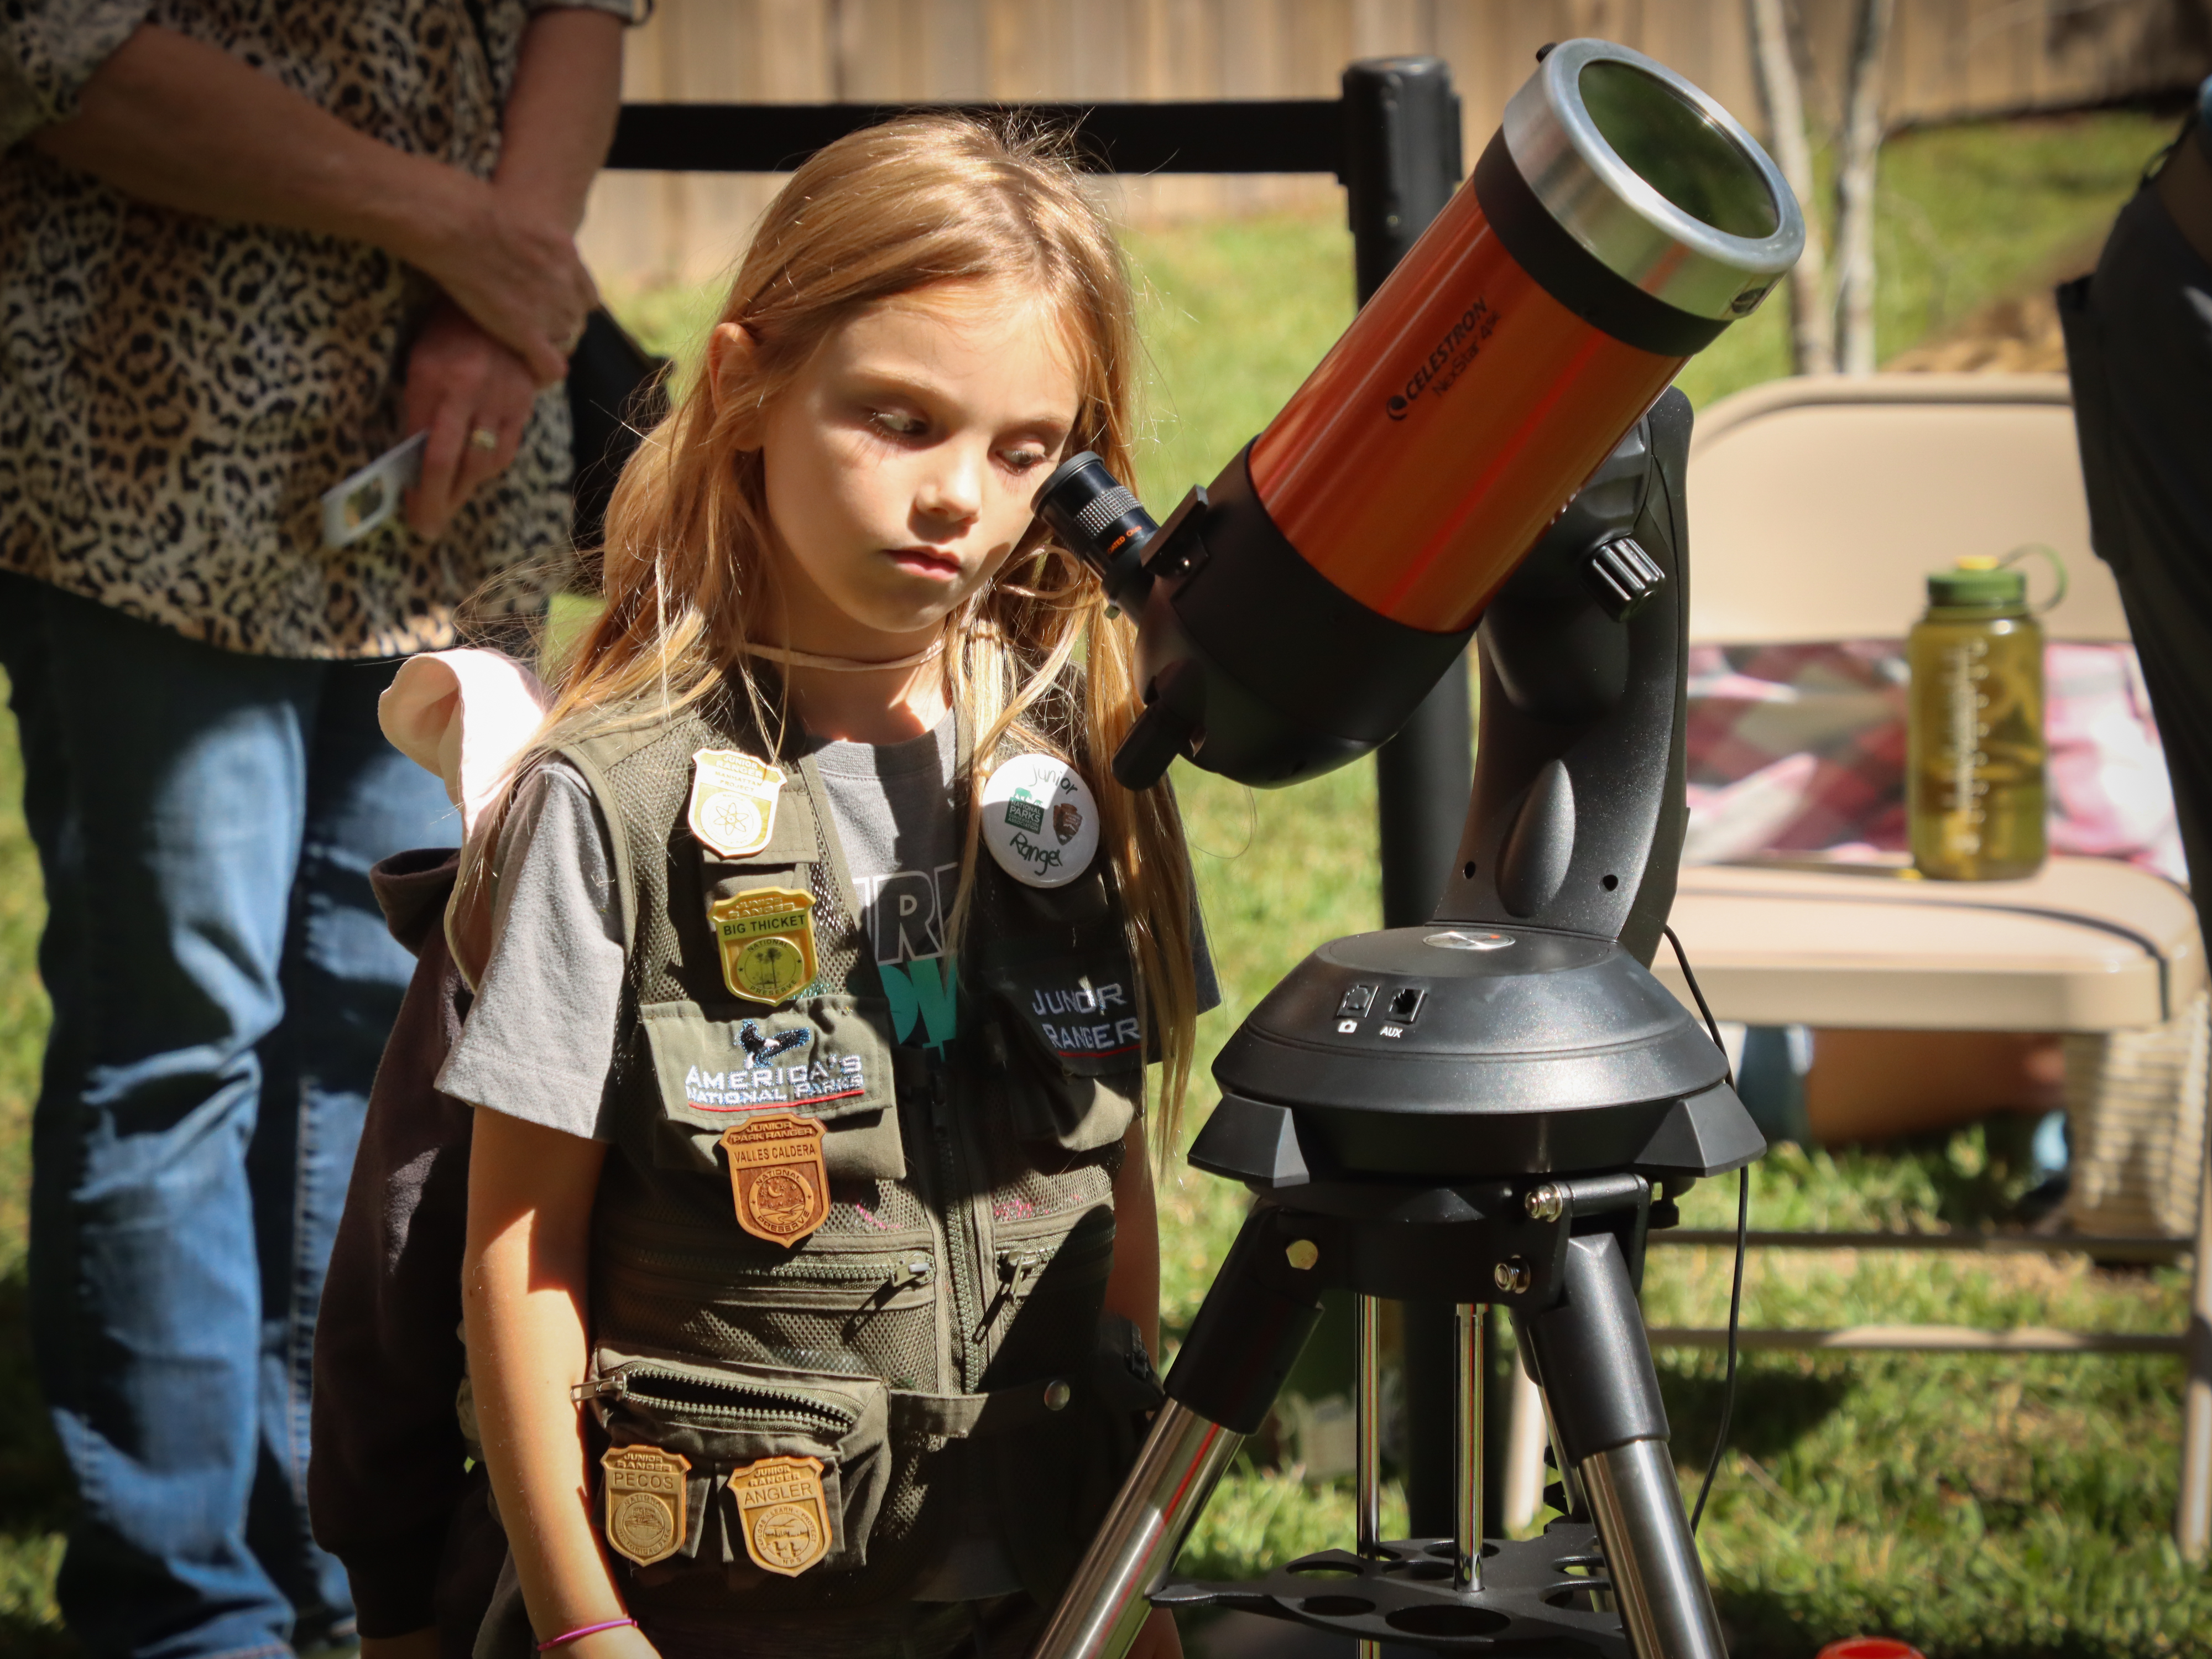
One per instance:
(1950,59)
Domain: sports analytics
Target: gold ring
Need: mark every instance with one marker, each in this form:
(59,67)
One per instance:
(484,438)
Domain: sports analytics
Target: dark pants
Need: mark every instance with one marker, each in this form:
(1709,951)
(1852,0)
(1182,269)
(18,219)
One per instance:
(2139,349)
(222,983)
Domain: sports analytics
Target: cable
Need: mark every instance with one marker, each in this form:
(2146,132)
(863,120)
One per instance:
(1743,1238)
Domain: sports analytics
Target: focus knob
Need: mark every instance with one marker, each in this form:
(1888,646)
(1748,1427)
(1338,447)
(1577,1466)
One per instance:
(1622,577)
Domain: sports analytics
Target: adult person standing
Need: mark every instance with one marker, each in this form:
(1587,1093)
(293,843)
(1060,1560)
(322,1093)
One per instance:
(247,245)
(2139,354)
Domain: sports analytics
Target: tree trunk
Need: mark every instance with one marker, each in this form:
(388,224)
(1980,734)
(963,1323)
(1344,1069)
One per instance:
(1854,188)
(1811,320)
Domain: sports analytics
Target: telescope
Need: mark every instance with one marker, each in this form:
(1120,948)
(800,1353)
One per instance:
(1493,1108)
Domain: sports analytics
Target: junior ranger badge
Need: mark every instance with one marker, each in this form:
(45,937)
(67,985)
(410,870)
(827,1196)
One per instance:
(767,941)
(733,801)
(783,1513)
(777,1177)
(646,1502)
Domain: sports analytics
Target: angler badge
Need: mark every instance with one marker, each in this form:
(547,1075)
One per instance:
(783,1513)
(767,940)
(777,1178)
(733,801)
(646,1502)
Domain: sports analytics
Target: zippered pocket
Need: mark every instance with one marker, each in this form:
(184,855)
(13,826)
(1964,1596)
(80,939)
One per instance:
(839,1304)
(1045,1302)
(726,1420)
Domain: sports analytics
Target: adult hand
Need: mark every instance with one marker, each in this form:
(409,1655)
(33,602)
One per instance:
(515,272)
(473,396)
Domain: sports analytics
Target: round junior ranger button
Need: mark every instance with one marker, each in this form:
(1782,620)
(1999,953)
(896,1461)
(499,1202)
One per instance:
(1040,820)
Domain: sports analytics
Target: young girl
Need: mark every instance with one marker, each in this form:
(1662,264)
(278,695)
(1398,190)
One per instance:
(812,1264)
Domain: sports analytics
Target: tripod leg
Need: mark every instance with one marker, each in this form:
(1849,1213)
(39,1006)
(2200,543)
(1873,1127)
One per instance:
(1367,1409)
(1257,1316)
(1596,1368)
(1466,1447)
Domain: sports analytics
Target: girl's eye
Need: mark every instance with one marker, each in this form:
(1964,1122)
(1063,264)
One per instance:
(898,423)
(1024,457)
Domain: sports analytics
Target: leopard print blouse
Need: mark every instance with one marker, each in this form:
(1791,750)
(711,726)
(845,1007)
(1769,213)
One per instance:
(177,392)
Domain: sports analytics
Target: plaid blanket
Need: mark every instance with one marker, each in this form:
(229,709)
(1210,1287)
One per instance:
(1801,748)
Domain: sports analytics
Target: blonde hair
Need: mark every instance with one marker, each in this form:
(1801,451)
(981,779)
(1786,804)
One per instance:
(1033,657)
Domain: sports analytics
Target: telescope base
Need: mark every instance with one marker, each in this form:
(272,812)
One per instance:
(1538,1596)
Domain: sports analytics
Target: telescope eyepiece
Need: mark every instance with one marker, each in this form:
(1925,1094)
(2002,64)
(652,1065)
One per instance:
(1099,519)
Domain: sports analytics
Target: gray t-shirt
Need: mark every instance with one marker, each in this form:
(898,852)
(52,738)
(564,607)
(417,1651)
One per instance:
(540,1036)
(893,807)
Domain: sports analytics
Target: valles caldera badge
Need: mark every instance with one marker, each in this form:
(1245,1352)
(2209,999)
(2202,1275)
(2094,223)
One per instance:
(777,1178)
(766,937)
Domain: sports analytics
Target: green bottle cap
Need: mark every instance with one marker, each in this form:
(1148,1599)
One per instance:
(1979,582)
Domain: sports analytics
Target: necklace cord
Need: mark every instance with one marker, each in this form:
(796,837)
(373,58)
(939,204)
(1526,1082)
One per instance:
(790,659)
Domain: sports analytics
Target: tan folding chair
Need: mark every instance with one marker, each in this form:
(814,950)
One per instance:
(1817,506)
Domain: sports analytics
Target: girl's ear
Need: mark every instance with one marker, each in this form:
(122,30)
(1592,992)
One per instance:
(732,361)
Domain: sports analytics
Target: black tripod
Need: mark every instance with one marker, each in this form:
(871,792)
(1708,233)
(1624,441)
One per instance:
(1493,1108)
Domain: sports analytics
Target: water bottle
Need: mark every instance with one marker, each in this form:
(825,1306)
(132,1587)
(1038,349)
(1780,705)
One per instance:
(1974,782)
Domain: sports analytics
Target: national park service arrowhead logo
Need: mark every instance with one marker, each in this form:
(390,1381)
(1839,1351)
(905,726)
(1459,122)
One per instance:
(646,1502)
(766,937)
(783,1513)
(777,1177)
(733,801)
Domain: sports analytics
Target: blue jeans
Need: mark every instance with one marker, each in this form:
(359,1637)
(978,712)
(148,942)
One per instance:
(221,985)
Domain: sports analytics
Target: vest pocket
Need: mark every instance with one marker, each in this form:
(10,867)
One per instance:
(841,1305)
(1089,1449)
(1046,1304)
(1069,1023)
(726,1420)
(826,1057)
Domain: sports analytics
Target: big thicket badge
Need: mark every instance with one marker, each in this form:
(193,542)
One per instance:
(777,1177)
(783,1513)
(767,940)
(646,1502)
(733,801)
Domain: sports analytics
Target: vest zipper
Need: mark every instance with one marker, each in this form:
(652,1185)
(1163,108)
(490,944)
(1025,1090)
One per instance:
(699,1393)
(911,1267)
(965,1258)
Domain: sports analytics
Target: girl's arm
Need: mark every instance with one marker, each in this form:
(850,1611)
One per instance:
(1133,1290)
(523,1294)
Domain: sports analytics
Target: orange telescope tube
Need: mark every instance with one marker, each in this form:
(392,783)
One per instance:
(1523,336)
(1293,613)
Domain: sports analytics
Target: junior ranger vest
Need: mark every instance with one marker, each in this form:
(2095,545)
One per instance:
(847,1295)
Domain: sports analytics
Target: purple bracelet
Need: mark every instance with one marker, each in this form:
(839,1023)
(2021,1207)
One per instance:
(579,1635)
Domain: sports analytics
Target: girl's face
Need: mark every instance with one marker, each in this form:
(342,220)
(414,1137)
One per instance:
(900,464)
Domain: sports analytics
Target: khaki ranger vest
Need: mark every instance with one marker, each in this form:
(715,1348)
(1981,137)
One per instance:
(937,1342)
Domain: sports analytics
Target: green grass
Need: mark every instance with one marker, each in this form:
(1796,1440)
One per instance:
(1990,1507)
